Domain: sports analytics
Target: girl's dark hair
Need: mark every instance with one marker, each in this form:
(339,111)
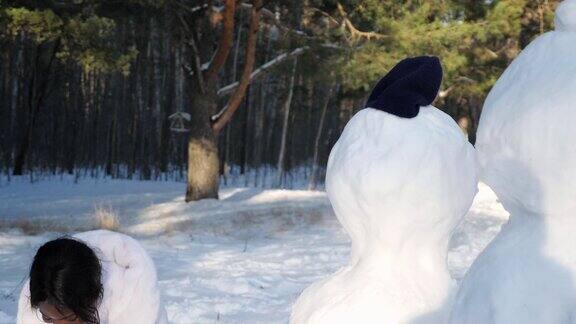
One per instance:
(67,274)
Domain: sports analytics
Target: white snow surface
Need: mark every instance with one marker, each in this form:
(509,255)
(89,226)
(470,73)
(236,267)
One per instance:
(527,155)
(243,259)
(399,187)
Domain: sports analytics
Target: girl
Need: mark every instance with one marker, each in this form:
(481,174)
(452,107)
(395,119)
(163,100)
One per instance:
(97,277)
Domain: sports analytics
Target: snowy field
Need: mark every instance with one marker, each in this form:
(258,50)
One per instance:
(243,259)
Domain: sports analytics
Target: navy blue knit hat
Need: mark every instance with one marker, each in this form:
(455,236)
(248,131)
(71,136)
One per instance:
(411,84)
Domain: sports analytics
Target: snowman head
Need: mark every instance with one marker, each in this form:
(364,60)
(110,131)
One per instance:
(526,134)
(389,177)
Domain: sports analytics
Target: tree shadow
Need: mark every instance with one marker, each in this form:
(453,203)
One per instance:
(242,194)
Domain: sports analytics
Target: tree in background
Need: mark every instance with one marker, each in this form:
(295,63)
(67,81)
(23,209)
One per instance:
(208,119)
(203,159)
(53,32)
(86,86)
(475,40)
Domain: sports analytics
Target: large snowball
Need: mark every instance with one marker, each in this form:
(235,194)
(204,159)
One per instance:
(528,126)
(399,187)
(528,156)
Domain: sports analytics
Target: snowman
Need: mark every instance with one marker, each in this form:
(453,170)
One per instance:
(527,155)
(400,178)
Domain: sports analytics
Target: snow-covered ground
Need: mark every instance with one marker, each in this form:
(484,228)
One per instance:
(242,259)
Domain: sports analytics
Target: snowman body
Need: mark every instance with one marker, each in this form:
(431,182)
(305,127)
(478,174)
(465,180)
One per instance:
(399,186)
(527,156)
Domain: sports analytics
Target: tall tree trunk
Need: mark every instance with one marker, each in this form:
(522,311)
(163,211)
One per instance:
(157,75)
(73,120)
(178,96)
(112,141)
(203,162)
(179,79)
(286,109)
(27,127)
(157,112)
(314,174)
(15,88)
(258,131)
(38,89)
(23,150)
(248,126)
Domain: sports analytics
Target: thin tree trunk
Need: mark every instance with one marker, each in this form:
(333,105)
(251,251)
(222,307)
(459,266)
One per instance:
(15,87)
(111,146)
(179,87)
(157,75)
(314,174)
(248,126)
(258,130)
(37,92)
(226,163)
(259,122)
(73,120)
(226,166)
(269,156)
(286,109)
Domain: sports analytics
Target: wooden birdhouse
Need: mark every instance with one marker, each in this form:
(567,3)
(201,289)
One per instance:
(178,122)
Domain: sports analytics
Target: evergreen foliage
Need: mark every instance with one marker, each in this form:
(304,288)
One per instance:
(91,83)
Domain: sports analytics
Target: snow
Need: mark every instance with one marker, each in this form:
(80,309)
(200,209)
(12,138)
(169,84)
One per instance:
(244,259)
(527,155)
(399,187)
(143,207)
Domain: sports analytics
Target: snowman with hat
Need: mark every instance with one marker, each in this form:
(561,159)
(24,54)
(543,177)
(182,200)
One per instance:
(400,179)
(401,176)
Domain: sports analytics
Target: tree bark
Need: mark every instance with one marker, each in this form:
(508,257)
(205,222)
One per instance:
(203,162)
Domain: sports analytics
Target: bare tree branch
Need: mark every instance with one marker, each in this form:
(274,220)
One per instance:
(460,79)
(327,15)
(240,91)
(268,15)
(263,69)
(273,18)
(196,68)
(355,32)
